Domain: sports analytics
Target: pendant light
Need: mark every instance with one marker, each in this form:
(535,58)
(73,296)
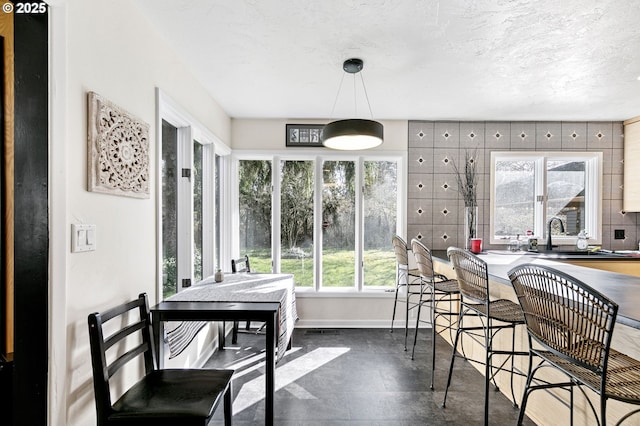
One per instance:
(355,133)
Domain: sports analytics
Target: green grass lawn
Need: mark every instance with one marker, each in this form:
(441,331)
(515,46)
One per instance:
(338,268)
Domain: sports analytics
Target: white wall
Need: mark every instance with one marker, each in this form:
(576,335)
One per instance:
(108,47)
(265,134)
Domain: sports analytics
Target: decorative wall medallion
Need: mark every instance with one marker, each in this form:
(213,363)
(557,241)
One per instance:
(117,150)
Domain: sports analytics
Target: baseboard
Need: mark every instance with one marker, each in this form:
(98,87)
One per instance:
(353,324)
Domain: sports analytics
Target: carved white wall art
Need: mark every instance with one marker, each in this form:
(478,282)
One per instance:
(118,150)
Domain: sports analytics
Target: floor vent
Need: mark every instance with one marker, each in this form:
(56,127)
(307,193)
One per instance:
(316,331)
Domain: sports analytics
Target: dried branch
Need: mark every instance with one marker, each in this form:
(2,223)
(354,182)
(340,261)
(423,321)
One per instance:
(468,179)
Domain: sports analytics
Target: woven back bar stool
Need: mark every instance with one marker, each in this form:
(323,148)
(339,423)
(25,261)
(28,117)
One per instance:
(572,325)
(494,316)
(436,289)
(407,279)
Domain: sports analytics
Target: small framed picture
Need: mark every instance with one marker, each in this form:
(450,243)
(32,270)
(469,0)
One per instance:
(304,135)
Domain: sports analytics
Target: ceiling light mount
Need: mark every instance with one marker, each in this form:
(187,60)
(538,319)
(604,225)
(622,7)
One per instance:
(353,134)
(353,65)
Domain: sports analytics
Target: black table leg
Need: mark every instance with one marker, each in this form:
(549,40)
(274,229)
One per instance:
(158,333)
(270,368)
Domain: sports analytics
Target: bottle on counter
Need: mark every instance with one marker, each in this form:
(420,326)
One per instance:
(581,243)
(219,276)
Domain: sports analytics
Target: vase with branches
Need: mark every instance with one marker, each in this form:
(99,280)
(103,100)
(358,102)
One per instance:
(467,180)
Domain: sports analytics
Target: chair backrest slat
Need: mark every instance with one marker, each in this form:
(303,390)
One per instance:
(400,249)
(102,369)
(472,274)
(565,315)
(424,260)
(240,265)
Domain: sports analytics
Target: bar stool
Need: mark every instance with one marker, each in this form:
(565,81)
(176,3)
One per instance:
(436,288)
(494,315)
(405,277)
(572,325)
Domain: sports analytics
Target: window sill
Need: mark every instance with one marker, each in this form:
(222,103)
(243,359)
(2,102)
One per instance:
(346,293)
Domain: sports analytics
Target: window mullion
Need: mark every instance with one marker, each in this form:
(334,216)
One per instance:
(359,225)
(185,207)
(276,215)
(541,192)
(317,222)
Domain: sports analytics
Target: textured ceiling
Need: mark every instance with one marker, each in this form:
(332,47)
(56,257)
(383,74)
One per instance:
(432,60)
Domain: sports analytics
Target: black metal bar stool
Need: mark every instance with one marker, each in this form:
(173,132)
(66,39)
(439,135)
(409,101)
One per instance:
(572,325)
(494,315)
(405,277)
(436,288)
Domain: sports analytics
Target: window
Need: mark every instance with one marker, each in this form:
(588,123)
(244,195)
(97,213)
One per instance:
(530,188)
(190,181)
(329,221)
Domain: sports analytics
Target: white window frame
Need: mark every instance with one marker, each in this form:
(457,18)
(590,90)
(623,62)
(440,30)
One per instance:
(189,130)
(593,191)
(318,156)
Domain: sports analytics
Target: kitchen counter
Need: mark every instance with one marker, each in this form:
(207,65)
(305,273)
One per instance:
(621,288)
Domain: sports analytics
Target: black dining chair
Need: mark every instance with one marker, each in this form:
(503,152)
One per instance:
(570,327)
(160,396)
(241,264)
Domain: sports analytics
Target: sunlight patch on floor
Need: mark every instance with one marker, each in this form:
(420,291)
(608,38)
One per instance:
(253,391)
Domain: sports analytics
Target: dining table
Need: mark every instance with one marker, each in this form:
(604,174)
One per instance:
(261,297)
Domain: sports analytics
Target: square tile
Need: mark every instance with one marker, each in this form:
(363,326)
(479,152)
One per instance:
(497,135)
(616,187)
(445,212)
(421,134)
(419,211)
(447,134)
(523,136)
(420,185)
(599,135)
(472,135)
(548,136)
(618,135)
(617,161)
(445,187)
(607,160)
(420,160)
(423,233)
(445,236)
(574,136)
(444,159)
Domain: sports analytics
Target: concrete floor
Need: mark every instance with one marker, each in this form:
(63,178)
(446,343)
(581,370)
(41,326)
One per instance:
(358,377)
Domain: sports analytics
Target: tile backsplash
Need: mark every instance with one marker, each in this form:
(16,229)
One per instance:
(434,207)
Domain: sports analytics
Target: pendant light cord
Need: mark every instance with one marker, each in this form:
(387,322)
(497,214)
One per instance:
(335,102)
(355,102)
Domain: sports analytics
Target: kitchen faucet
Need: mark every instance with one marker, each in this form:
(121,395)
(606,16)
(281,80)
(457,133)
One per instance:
(549,243)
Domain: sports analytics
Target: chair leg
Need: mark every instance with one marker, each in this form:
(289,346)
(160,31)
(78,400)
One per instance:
(513,364)
(395,303)
(453,357)
(415,335)
(487,369)
(525,395)
(228,406)
(234,332)
(406,319)
(433,336)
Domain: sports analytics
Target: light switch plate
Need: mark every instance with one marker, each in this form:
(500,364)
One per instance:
(83,237)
